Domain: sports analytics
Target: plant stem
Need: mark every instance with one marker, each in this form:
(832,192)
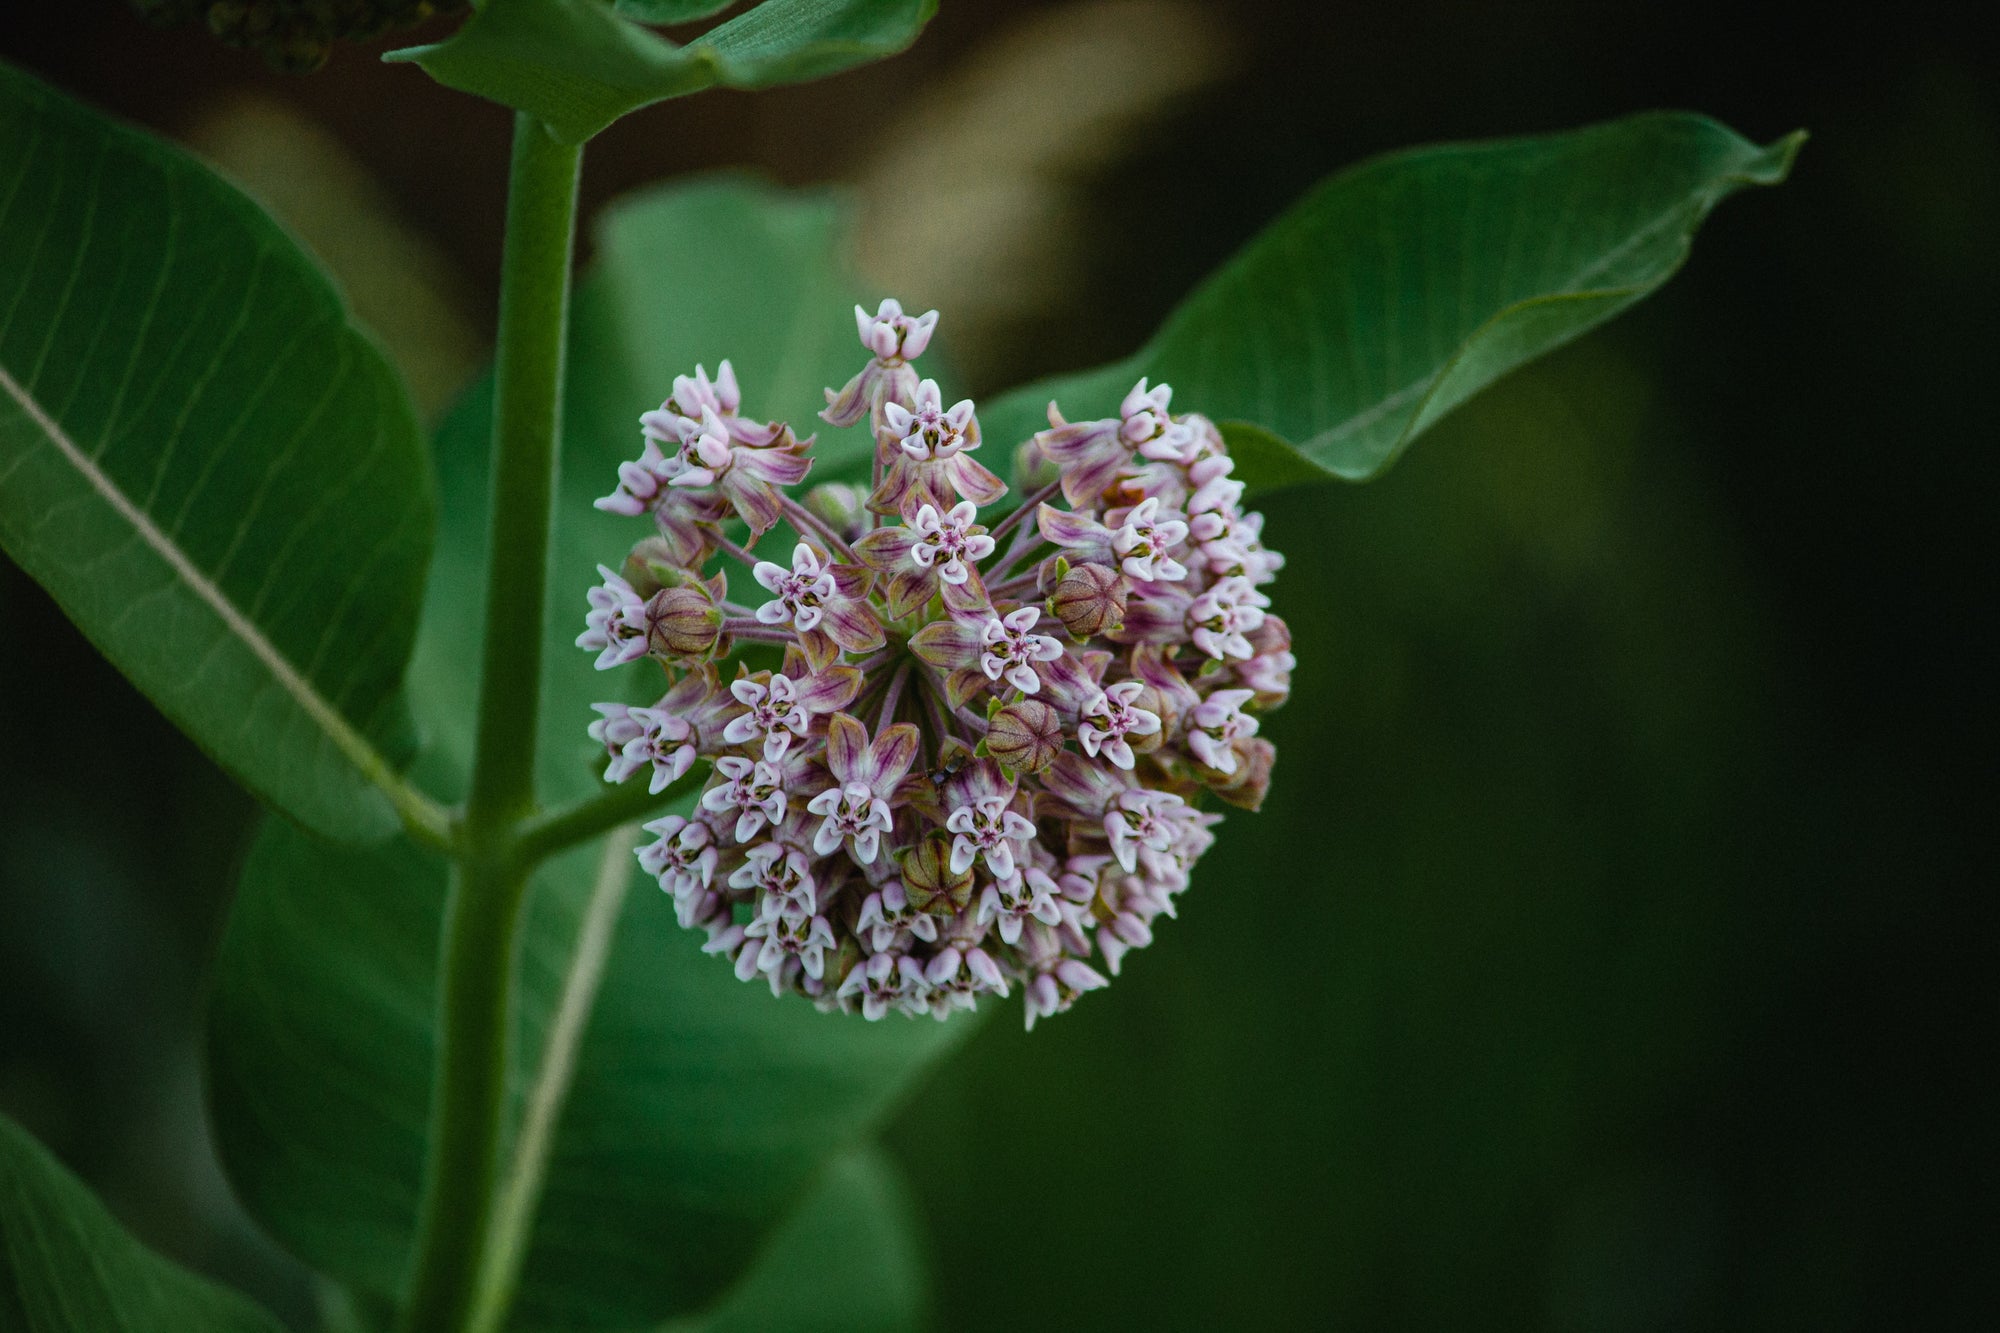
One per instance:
(806,522)
(1025,510)
(475,1031)
(527,422)
(482,914)
(522,1190)
(755,631)
(545,835)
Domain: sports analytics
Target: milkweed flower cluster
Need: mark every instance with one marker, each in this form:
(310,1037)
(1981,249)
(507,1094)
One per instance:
(985,751)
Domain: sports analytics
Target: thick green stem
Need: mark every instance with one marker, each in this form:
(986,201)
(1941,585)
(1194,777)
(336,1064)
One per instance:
(527,421)
(545,835)
(475,1030)
(482,915)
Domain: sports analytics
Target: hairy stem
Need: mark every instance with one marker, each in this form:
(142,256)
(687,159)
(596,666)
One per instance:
(482,914)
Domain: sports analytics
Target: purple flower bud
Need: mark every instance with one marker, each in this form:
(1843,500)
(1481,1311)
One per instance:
(683,623)
(930,883)
(1025,736)
(1090,600)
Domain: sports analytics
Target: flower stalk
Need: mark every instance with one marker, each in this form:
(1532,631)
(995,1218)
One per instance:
(482,916)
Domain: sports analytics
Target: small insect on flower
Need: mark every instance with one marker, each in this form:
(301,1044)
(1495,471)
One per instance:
(990,753)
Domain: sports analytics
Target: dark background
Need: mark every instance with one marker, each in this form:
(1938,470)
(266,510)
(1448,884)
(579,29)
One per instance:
(1613,951)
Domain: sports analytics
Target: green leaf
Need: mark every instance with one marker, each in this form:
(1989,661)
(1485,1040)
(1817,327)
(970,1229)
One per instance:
(214,473)
(671,11)
(66,1266)
(577,66)
(1396,290)
(702,1108)
(846,1259)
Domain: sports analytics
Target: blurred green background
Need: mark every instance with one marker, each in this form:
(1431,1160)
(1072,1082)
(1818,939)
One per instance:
(1613,952)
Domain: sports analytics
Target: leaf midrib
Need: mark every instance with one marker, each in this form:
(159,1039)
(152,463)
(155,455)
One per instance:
(366,759)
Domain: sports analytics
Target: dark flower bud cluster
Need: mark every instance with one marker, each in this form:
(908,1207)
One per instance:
(984,758)
(295,35)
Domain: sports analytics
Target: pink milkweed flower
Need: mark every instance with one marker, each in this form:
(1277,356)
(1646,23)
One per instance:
(1146,425)
(888,913)
(928,430)
(781,877)
(779,710)
(1011,901)
(682,856)
(1143,538)
(883,980)
(755,790)
(784,939)
(616,622)
(948,542)
(1216,724)
(927,449)
(1011,648)
(895,339)
(801,592)
(958,976)
(865,775)
(746,475)
(639,483)
(822,601)
(892,335)
(1091,454)
(1141,820)
(926,549)
(1220,620)
(1109,715)
(1054,991)
(641,738)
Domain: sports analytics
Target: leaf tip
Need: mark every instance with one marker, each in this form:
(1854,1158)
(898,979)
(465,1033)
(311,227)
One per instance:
(1774,164)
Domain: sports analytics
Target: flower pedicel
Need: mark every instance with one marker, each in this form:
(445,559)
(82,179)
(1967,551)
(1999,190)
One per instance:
(982,761)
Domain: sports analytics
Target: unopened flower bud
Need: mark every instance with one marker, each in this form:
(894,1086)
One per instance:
(1247,785)
(1025,736)
(929,881)
(1032,468)
(844,507)
(1090,599)
(651,566)
(683,622)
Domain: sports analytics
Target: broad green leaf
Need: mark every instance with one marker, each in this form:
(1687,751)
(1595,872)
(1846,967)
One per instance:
(702,1108)
(847,1259)
(1395,291)
(66,1266)
(213,472)
(578,66)
(671,11)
